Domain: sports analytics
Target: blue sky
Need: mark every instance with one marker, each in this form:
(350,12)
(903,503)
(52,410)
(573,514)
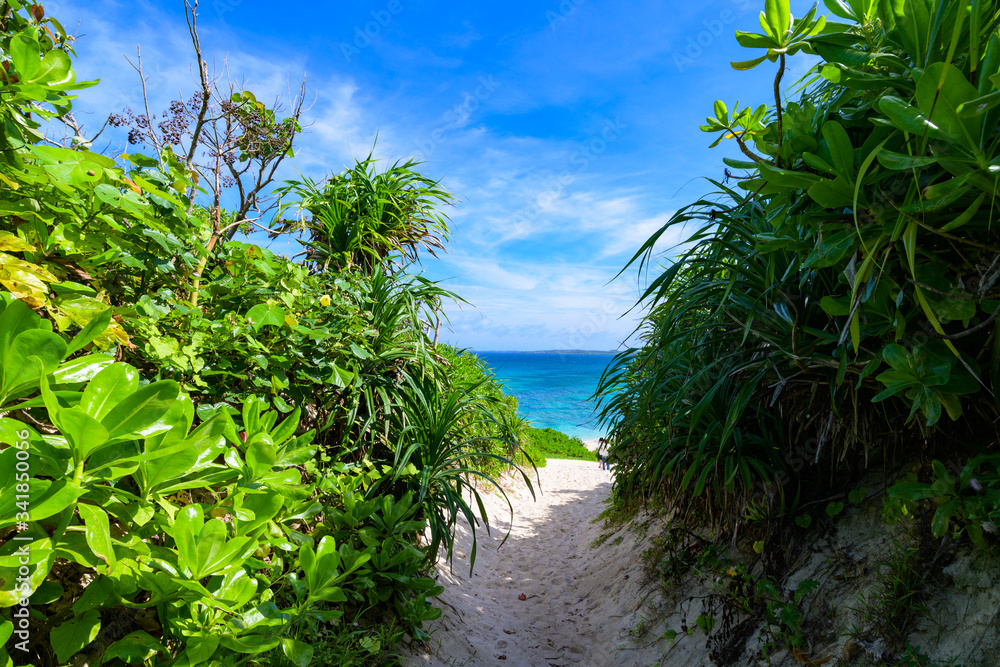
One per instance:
(568,129)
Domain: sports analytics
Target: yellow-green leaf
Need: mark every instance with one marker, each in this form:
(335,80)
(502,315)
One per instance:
(13,243)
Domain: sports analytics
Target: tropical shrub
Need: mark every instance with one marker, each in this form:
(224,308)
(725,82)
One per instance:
(120,504)
(554,444)
(211,451)
(469,374)
(838,304)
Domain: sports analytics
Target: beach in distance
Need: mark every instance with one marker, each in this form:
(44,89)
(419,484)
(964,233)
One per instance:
(554,388)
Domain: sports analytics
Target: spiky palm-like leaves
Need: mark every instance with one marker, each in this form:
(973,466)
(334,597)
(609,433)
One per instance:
(363,217)
(843,304)
(446,471)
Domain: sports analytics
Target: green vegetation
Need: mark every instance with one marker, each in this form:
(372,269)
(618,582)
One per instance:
(556,445)
(213,454)
(470,374)
(838,303)
(834,310)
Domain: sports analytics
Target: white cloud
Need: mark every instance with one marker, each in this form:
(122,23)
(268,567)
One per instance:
(572,204)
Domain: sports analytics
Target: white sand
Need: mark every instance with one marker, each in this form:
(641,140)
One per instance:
(591,606)
(581,602)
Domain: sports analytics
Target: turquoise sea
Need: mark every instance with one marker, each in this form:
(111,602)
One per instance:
(553,388)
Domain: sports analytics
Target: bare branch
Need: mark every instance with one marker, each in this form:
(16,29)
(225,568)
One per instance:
(145,99)
(69,121)
(191,15)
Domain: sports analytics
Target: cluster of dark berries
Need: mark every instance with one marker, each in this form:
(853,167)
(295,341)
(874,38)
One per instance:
(137,124)
(175,122)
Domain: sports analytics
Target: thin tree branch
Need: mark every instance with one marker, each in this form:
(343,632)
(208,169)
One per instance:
(777,106)
(145,99)
(191,15)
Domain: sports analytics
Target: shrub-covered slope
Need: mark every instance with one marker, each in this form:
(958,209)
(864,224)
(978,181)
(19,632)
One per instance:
(836,303)
(213,454)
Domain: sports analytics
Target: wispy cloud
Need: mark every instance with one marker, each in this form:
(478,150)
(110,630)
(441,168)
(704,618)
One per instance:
(568,138)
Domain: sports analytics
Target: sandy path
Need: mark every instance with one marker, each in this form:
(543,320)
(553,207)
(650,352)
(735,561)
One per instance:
(581,602)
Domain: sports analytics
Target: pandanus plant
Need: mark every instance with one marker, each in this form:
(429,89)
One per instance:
(362,217)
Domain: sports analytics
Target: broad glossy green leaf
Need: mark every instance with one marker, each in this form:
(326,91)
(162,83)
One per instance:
(82,369)
(908,118)
(55,67)
(834,194)
(161,467)
(840,8)
(95,595)
(70,637)
(16,318)
(901,162)
(752,40)
(838,307)
(134,648)
(967,215)
(11,431)
(743,65)
(84,433)
(11,588)
(200,647)
(25,55)
(98,532)
(141,413)
(951,404)
(187,527)
(265,506)
(942,517)
(216,553)
(249,643)
(952,308)
(898,357)
(210,542)
(39,552)
(833,249)
(45,498)
(720,110)
(913,21)
(180,416)
(286,429)
(979,105)
(787,178)
(779,17)
(844,55)
(19,370)
(261,454)
(298,653)
(92,330)
(237,588)
(841,149)
(955,91)
(263,315)
(109,388)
